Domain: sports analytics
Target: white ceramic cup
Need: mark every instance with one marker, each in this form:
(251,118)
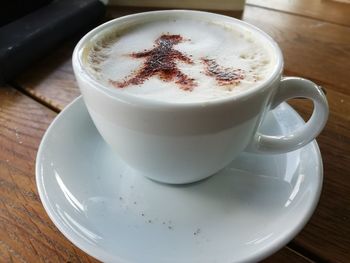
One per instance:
(183,143)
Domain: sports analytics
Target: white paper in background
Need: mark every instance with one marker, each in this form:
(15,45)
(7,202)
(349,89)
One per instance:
(201,4)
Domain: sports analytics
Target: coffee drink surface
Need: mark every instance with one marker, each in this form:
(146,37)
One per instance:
(180,60)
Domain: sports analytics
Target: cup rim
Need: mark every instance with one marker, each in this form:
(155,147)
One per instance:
(79,68)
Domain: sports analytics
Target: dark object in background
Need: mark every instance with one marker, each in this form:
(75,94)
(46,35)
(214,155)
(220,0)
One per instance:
(14,9)
(33,35)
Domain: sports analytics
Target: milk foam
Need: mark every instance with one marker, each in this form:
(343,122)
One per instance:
(108,59)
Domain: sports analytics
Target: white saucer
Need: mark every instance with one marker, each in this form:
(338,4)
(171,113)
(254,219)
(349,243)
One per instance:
(244,213)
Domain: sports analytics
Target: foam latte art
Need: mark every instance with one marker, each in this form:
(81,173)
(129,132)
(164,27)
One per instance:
(180,59)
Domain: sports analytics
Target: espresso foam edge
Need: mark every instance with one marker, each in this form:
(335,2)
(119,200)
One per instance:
(96,50)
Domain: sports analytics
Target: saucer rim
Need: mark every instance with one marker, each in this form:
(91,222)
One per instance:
(101,255)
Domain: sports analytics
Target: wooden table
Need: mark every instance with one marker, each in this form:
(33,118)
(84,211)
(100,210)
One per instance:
(315,39)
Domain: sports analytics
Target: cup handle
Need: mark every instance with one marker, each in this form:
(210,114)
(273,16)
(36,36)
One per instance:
(292,87)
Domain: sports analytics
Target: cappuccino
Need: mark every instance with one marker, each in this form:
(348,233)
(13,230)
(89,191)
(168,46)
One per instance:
(179,59)
(178,94)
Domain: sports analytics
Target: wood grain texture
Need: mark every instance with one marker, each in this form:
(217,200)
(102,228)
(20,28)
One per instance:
(26,232)
(51,80)
(328,232)
(287,255)
(311,49)
(322,10)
